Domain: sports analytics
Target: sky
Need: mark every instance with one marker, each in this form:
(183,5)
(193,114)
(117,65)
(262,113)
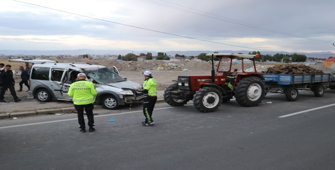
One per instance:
(168,25)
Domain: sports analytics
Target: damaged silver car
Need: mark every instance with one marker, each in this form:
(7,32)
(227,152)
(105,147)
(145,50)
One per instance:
(51,81)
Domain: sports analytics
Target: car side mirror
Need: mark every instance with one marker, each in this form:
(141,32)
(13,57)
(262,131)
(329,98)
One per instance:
(125,78)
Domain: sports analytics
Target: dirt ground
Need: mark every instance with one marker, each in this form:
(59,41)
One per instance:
(164,78)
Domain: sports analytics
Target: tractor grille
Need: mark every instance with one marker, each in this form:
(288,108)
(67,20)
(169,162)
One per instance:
(184,83)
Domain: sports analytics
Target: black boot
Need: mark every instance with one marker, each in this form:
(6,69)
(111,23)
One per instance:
(91,129)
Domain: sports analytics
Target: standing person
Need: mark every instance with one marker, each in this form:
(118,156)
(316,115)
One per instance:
(28,67)
(149,101)
(8,83)
(2,67)
(24,78)
(83,93)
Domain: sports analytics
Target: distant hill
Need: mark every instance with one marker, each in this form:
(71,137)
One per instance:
(124,52)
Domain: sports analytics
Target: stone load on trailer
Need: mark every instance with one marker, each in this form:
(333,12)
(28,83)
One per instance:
(292,69)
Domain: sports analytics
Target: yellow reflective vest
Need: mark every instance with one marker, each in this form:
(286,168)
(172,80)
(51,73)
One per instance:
(82,92)
(150,85)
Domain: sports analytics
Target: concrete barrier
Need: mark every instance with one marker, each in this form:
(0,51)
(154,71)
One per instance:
(49,111)
(21,114)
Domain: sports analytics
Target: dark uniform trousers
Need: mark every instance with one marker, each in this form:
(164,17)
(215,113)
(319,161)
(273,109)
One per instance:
(89,112)
(148,107)
(25,82)
(11,89)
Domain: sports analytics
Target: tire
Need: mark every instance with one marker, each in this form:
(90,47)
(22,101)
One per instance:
(207,99)
(226,99)
(291,93)
(43,95)
(250,91)
(110,102)
(168,96)
(318,90)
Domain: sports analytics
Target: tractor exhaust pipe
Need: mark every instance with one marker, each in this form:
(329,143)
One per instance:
(213,71)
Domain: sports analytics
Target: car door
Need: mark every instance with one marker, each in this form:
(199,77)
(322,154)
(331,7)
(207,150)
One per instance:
(57,75)
(69,77)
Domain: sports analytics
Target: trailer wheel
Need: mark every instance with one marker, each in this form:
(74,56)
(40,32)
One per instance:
(318,90)
(207,99)
(291,93)
(250,91)
(168,98)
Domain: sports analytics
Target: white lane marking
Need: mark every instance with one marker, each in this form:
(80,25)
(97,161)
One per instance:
(64,120)
(305,111)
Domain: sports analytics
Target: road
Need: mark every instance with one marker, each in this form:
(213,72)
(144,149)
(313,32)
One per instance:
(277,134)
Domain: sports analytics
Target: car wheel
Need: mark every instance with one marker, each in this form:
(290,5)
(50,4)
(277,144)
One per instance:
(43,95)
(110,102)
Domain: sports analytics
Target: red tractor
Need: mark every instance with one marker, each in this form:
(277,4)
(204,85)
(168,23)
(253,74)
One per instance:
(208,92)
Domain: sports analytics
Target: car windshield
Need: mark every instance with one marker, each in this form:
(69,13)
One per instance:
(104,76)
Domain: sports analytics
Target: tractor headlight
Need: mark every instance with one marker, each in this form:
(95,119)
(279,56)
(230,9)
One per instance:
(186,84)
(127,92)
(180,84)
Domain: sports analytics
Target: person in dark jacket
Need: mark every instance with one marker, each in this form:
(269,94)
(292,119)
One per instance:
(8,83)
(24,78)
(2,67)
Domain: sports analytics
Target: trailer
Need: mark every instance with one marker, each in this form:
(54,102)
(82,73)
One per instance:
(289,84)
(332,79)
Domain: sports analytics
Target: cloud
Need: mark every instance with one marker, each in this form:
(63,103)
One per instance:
(248,40)
(77,41)
(301,25)
(178,44)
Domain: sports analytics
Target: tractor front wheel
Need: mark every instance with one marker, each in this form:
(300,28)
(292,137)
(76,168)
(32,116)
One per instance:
(168,96)
(207,99)
(250,91)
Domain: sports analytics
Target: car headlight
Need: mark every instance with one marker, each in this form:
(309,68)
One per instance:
(127,92)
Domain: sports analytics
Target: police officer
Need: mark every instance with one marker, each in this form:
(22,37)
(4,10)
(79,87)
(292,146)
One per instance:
(8,82)
(149,101)
(83,93)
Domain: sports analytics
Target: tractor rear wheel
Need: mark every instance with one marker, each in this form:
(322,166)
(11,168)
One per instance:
(250,91)
(318,90)
(207,99)
(168,96)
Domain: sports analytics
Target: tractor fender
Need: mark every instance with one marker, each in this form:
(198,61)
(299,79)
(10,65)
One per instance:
(222,90)
(240,77)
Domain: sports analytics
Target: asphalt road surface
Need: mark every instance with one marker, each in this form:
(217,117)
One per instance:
(277,134)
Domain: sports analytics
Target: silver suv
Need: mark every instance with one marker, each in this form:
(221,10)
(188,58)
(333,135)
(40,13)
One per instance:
(52,81)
